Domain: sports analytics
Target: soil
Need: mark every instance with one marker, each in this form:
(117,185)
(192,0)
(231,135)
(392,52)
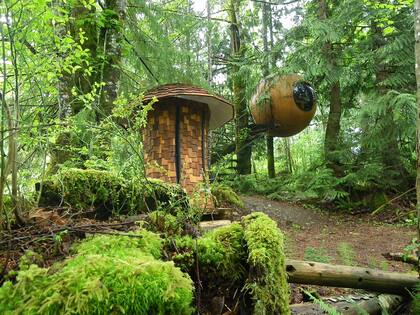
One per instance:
(339,238)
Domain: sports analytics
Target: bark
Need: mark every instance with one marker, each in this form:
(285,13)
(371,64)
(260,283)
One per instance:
(266,71)
(374,305)
(270,157)
(289,160)
(254,133)
(409,259)
(81,20)
(12,114)
(333,126)
(111,38)
(208,39)
(305,272)
(243,148)
(105,47)
(332,131)
(417,51)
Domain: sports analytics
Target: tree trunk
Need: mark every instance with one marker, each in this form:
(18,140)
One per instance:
(288,153)
(110,47)
(266,71)
(243,147)
(305,272)
(417,50)
(270,157)
(208,39)
(332,131)
(333,126)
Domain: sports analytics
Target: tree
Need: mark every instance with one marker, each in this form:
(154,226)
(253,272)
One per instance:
(266,15)
(417,54)
(243,146)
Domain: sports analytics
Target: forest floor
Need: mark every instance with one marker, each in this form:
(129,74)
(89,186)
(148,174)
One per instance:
(334,237)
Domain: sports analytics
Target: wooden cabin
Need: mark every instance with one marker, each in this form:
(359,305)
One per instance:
(176,145)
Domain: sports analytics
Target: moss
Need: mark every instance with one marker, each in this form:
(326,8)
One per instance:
(224,195)
(161,221)
(142,240)
(108,274)
(246,255)
(221,253)
(267,281)
(104,194)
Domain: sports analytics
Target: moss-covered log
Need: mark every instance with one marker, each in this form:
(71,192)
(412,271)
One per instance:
(108,275)
(243,262)
(102,194)
(375,305)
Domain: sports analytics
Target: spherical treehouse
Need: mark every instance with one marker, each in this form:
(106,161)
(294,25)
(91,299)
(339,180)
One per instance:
(175,139)
(284,106)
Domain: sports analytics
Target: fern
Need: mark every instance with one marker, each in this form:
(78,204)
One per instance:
(324,306)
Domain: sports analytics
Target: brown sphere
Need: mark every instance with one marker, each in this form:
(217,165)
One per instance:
(285,106)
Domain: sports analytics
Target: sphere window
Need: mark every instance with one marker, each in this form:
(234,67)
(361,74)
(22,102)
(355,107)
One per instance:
(304,96)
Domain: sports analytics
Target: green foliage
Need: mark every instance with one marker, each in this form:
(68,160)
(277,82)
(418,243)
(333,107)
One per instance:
(221,253)
(317,254)
(328,309)
(164,222)
(108,274)
(247,254)
(267,281)
(415,304)
(147,242)
(106,193)
(224,195)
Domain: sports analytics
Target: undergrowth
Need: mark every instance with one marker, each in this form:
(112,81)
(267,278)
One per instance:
(108,274)
(351,191)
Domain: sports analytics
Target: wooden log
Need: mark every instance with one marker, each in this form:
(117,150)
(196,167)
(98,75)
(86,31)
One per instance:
(373,305)
(409,259)
(306,272)
(211,225)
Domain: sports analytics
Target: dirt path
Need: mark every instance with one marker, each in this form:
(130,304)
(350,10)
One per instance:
(337,238)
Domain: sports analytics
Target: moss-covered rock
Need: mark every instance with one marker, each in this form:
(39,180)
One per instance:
(103,194)
(108,275)
(224,196)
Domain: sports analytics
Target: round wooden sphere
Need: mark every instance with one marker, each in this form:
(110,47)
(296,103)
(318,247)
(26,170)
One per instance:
(285,105)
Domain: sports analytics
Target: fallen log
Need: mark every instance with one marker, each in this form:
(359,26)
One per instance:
(307,272)
(409,259)
(372,305)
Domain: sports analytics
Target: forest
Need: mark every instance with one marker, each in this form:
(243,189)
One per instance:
(209,157)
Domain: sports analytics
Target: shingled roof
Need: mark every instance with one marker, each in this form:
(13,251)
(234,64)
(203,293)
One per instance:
(221,111)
